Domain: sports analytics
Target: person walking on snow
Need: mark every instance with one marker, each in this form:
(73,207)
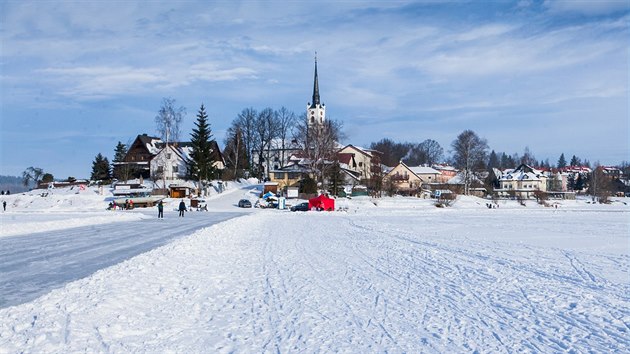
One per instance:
(160,210)
(4,205)
(182,208)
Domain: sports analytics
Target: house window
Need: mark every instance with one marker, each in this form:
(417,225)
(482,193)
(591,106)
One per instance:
(168,156)
(175,169)
(360,164)
(160,169)
(278,175)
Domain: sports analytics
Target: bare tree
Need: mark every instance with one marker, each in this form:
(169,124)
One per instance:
(469,155)
(319,145)
(169,119)
(600,185)
(392,152)
(235,152)
(432,151)
(266,130)
(246,122)
(32,174)
(528,158)
(286,122)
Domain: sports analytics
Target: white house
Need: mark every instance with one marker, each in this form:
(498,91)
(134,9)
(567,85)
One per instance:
(522,181)
(170,163)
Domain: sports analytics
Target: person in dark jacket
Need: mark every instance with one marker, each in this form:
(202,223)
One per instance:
(4,205)
(182,208)
(160,210)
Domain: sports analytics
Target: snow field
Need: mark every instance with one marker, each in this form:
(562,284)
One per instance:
(373,279)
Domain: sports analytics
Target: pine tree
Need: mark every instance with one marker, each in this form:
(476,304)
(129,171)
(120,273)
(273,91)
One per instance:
(201,164)
(562,162)
(575,161)
(100,168)
(120,152)
(493,161)
(579,182)
(505,161)
(120,171)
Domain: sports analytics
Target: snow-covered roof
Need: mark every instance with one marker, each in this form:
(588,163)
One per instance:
(522,173)
(442,167)
(424,170)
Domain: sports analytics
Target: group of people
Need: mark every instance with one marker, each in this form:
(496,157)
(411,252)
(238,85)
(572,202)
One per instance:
(160,206)
(7,193)
(181,208)
(126,206)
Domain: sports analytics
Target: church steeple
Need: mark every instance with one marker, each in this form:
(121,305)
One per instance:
(315,87)
(315,111)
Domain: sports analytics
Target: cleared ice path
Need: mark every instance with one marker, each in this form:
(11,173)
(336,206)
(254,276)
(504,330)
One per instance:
(34,265)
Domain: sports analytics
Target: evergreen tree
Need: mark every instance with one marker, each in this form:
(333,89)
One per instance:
(335,178)
(505,161)
(575,161)
(493,161)
(100,168)
(47,178)
(201,164)
(119,152)
(579,182)
(562,162)
(571,182)
(120,171)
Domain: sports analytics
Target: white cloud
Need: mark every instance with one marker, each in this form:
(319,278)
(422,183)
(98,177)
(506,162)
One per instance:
(587,7)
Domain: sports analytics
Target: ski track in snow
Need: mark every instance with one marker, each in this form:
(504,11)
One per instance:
(343,282)
(32,266)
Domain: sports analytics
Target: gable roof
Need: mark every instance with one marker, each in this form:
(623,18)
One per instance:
(150,143)
(402,164)
(356,148)
(522,172)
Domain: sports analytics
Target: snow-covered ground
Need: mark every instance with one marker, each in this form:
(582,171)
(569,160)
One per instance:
(393,274)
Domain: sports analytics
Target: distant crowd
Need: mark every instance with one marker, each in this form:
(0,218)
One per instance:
(128,205)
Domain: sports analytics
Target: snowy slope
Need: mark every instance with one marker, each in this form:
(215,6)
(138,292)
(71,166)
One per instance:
(394,275)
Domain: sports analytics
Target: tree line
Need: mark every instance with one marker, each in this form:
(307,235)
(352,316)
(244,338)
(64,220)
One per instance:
(254,133)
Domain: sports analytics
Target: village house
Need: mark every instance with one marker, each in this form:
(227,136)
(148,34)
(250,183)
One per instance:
(409,180)
(447,172)
(150,158)
(521,182)
(292,174)
(366,162)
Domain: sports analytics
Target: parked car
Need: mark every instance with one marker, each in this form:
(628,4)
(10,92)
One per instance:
(300,207)
(244,203)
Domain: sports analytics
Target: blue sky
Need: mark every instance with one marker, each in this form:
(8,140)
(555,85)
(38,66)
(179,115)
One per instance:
(77,77)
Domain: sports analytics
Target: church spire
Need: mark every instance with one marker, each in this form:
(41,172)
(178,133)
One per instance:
(315,111)
(315,87)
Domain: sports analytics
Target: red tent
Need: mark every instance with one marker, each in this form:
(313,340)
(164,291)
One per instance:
(322,202)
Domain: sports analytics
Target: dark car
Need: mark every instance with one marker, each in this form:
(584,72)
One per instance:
(244,203)
(300,207)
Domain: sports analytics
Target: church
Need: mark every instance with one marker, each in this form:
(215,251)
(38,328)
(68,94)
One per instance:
(289,166)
